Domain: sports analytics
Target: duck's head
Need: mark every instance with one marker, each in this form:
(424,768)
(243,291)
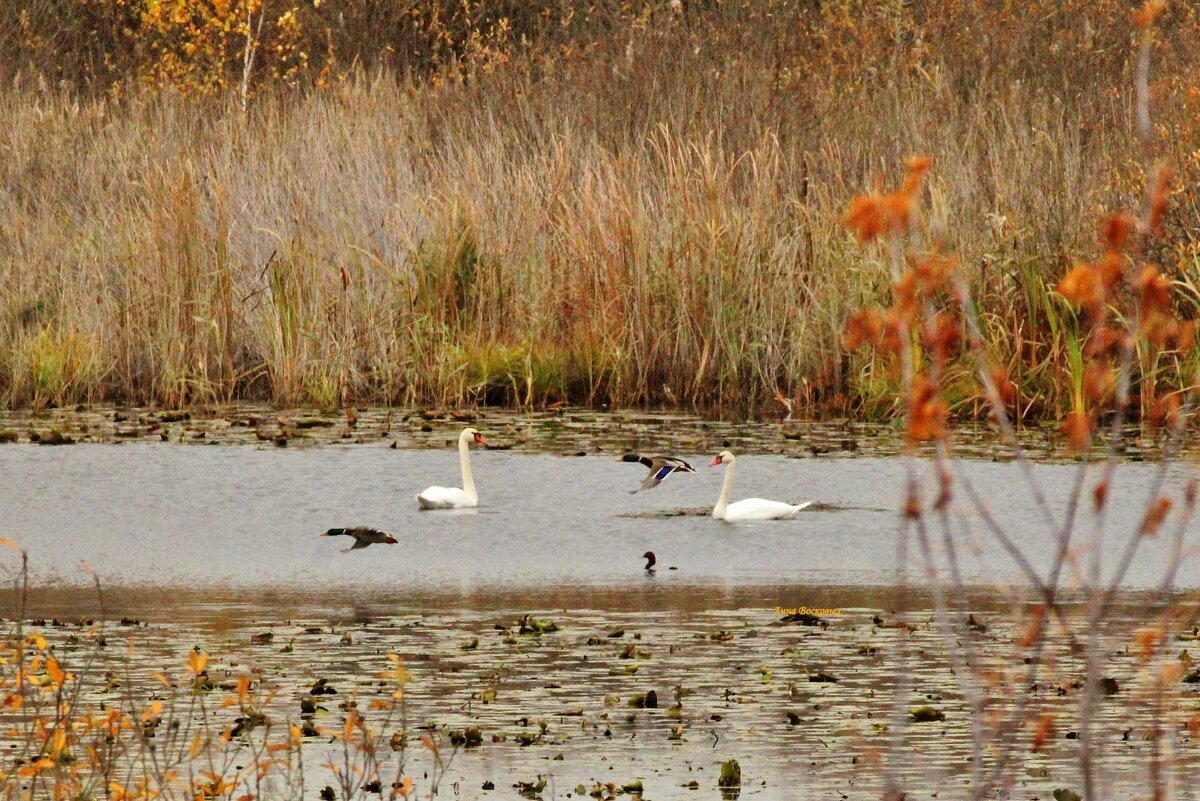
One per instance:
(475,435)
(650,560)
(723,457)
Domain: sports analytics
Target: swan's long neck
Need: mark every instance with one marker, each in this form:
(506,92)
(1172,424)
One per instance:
(464,460)
(723,501)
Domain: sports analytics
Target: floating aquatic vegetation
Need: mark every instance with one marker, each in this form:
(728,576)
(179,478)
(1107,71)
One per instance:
(926,714)
(731,774)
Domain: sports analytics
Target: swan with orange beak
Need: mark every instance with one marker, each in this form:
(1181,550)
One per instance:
(452,497)
(750,508)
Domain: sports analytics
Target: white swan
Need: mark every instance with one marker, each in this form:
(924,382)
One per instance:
(453,497)
(751,508)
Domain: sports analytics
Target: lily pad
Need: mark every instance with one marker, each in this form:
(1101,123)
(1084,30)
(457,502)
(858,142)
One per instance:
(926,714)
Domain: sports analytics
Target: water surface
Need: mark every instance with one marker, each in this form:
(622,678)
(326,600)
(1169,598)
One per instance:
(245,517)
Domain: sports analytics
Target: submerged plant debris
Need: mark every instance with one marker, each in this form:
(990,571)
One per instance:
(564,431)
(712,706)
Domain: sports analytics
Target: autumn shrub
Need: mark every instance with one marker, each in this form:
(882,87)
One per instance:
(1132,359)
(88,715)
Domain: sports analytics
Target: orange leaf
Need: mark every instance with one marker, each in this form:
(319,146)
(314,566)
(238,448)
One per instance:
(1033,631)
(1159,199)
(1155,516)
(1148,13)
(1147,641)
(1081,286)
(928,412)
(1117,229)
(866,327)
(152,711)
(865,217)
(56,673)
(351,722)
(1043,731)
(1153,288)
(197,660)
(917,167)
(36,767)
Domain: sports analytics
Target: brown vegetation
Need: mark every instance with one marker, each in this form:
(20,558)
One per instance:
(524,203)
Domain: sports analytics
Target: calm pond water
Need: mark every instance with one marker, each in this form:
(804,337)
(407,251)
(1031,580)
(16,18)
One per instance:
(218,547)
(245,517)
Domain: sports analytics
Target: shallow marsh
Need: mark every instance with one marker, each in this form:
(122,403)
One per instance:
(218,548)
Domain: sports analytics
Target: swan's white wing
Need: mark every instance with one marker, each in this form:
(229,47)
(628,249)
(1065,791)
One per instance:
(445,498)
(760,509)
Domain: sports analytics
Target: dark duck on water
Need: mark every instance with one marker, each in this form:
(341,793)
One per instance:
(651,561)
(363,536)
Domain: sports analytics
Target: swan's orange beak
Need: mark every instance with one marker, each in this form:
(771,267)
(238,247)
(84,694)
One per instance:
(715,462)
(479,438)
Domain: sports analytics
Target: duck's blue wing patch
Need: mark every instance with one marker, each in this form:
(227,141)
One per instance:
(663,472)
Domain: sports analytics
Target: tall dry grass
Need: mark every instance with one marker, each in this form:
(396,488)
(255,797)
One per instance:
(643,209)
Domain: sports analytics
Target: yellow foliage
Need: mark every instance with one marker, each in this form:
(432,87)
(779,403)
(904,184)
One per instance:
(206,48)
(197,661)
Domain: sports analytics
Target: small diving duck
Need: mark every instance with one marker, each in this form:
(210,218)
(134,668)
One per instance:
(660,468)
(363,536)
(651,561)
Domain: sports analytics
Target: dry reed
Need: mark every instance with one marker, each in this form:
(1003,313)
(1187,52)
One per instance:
(639,210)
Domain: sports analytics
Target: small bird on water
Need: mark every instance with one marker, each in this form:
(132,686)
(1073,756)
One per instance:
(660,468)
(651,561)
(363,536)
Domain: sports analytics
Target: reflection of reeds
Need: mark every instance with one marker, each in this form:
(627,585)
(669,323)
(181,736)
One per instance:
(665,233)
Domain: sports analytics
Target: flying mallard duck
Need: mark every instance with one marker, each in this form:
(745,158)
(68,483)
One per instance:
(363,536)
(660,468)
